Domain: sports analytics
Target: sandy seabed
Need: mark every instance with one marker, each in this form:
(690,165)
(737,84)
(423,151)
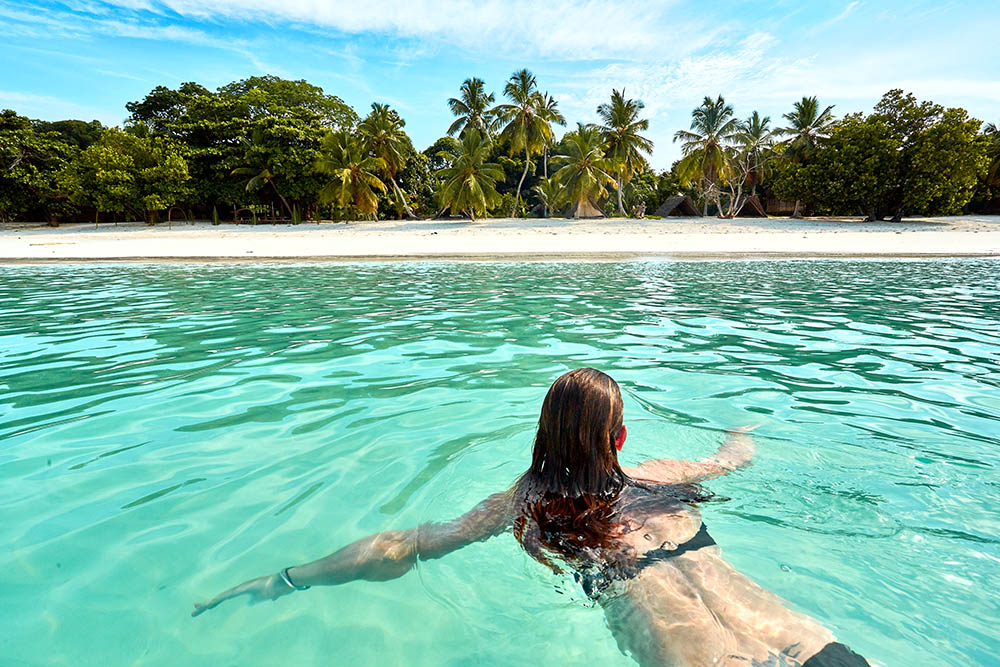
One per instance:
(505,238)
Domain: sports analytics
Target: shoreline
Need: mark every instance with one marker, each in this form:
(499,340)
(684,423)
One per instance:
(505,239)
(510,257)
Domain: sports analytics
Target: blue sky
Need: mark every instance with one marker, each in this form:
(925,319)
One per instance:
(87,58)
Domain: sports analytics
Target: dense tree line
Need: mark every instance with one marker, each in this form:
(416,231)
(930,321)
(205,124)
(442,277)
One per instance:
(269,148)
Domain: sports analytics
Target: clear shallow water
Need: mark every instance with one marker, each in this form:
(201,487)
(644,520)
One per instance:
(168,431)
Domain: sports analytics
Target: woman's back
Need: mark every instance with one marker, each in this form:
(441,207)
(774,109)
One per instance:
(681,603)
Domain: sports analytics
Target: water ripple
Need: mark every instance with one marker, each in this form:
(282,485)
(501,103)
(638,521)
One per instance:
(166,430)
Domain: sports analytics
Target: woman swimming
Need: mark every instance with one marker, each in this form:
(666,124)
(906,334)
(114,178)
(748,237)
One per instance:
(633,537)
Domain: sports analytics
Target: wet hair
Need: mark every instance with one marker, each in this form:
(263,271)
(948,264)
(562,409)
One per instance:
(567,503)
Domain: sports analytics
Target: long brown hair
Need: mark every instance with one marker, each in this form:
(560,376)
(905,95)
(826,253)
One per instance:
(565,500)
(567,503)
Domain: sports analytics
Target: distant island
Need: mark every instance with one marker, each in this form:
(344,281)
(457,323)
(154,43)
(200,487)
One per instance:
(266,149)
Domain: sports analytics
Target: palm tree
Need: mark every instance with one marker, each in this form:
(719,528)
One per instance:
(527,122)
(706,147)
(354,171)
(807,127)
(383,130)
(472,108)
(549,108)
(624,145)
(584,168)
(259,171)
(756,138)
(549,194)
(469,184)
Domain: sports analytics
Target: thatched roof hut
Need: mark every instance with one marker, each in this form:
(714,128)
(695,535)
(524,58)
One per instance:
(679,206)
(584,209)
(751,208)
(775,206)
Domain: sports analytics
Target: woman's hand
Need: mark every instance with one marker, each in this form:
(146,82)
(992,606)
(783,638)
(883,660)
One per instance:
(270,587)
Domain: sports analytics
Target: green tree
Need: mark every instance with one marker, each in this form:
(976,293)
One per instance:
(807,127)
(527,121)
(30,161)
(706,146)
(748,156)
(472,108)
(259,157)
(624,146)
(125,173)
(992,134)
(584,170)
(353,171)
(383,130)
(940,158)
(991,181)
(418,181)
(266,96)
(74,132)
(285,118)
(469,183)
(549,108)
(442,152)
(278,157)
(212,129)
(756,139)
(855,169)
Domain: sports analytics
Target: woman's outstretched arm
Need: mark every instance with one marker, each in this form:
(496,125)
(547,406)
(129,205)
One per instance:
(379,557)
(734,453)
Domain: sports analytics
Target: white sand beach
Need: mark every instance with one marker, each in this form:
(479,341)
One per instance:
(678,238)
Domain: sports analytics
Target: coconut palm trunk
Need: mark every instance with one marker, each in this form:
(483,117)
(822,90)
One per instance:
(524,174)
(618,185)
(402,198)
(797,213)
(281,197)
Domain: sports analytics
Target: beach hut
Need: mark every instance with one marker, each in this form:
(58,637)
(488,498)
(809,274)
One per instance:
(751,209)
(775,206)
(679,206)
(585,209)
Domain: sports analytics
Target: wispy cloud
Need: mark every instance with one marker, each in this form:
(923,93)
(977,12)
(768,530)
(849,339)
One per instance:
(120,75)
(99,22)
(844,14)
(414,53)
(558,29)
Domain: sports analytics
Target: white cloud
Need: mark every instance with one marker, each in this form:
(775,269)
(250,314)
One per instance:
(842,15)
(572,29)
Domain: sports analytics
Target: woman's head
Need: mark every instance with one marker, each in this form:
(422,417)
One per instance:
(574,453)
(569,500)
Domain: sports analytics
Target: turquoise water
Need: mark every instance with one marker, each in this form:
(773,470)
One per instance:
(168,431)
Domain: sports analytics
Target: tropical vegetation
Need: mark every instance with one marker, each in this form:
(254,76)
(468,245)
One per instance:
(269,148)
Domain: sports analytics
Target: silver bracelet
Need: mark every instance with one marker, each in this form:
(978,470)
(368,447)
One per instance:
(288,580)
